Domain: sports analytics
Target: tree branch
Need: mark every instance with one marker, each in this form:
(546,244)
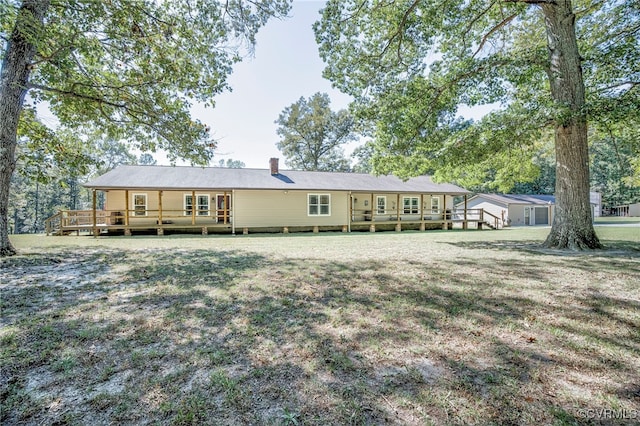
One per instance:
(504,22)
(631,83)
(400,31)
(75,95)
(474,20)
(554,2)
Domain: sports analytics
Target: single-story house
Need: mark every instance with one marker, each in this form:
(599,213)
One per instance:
(520,209)
(244,200)
(632,210)
(595,198)
(516,209)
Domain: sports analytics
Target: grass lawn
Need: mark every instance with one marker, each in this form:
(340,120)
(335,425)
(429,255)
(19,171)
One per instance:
(439,327)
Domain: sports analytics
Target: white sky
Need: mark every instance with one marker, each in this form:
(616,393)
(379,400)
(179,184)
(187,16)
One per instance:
(285,67)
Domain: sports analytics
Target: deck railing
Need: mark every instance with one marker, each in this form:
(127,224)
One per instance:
(77,220)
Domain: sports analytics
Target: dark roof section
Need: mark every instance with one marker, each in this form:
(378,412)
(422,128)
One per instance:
(199,178)
(519,198)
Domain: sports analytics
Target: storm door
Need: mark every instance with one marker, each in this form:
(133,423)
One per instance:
(223,206)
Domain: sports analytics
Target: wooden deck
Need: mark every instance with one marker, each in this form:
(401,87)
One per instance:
(114,222)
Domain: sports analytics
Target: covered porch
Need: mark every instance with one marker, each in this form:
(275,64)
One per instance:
(132,212)
(197,211)
(416,212)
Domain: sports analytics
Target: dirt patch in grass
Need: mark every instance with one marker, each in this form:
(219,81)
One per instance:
(364,329)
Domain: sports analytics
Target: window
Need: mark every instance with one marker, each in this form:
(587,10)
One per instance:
(188,205)
(202,207)
(435,204)
(319,204)
(382,204)
(139,204)
(411,205)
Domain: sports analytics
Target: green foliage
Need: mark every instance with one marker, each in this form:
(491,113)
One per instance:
(231,163)
(312,134)
(134,68)
(411,65)
(615,150)
(43,153)
(52,167)
(364,156)
(110,71)
(634,179)
(147,159)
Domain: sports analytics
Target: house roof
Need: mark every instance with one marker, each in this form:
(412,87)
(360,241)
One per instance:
(206,178)
(507,199)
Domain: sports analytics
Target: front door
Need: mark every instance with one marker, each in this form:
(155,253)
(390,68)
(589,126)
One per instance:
(223,205)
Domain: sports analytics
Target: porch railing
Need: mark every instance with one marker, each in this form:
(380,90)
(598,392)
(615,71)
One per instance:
(76,220)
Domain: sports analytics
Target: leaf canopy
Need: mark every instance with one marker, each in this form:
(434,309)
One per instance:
(412,64)
(312,135)
(134,68)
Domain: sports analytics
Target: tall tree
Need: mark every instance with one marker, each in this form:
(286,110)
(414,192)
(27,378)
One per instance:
(410,64)
(130,67)
(52,164)
(231,163)
(363,156)
(313,135)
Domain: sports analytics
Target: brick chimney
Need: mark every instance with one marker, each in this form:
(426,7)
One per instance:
(273,162)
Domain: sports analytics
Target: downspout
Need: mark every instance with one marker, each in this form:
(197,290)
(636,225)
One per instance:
(349,211)
(160,228)
(94,218)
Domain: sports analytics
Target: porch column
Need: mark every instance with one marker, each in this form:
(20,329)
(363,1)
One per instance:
(193,207)
(373,217)
(160,230)
(127,231)
(94,218)
(464,224)
(372,227)
(445,224)
(398,224)
(126,207)
(422,227)
(226,207)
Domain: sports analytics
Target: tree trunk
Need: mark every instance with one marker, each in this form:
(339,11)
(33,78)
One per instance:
(572,224)
(14,76)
